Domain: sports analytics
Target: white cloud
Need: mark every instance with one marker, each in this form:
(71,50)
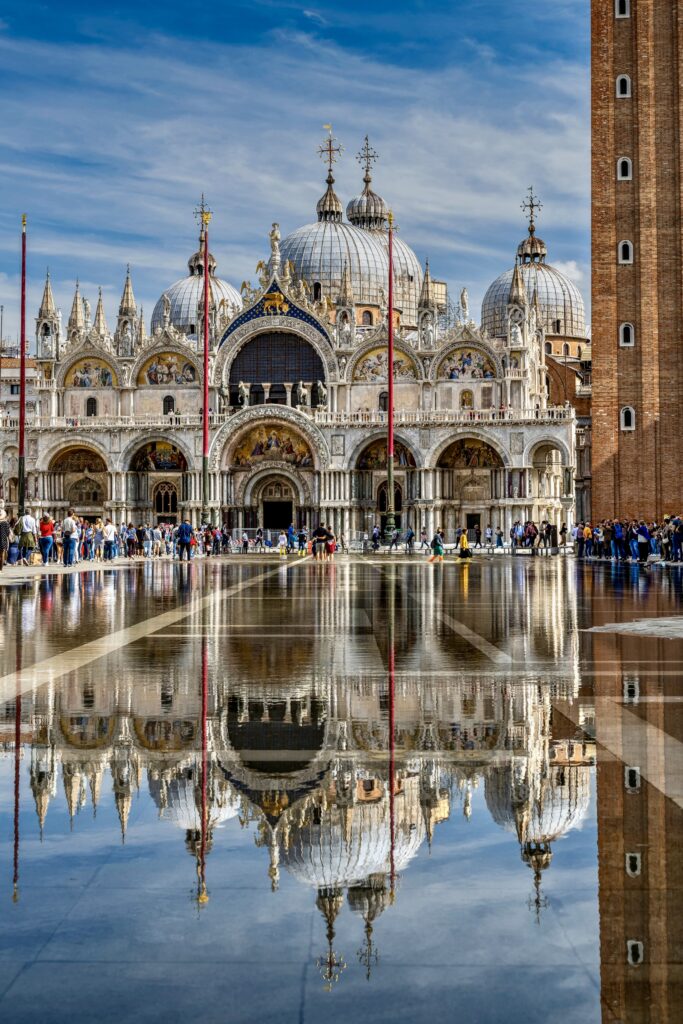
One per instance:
(572,270)
(111,160)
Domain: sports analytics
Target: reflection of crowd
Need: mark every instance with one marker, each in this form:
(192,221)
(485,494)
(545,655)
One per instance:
(631,540)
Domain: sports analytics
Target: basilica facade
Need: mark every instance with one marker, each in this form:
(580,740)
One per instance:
(298,391)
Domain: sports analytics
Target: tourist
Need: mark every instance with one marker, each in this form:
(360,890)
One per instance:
(291,538)
(302,542)
(410,541)
(437,547)
(185,535)
(258,540)
(376,535)
(282,544)
(643,541)
(319,536)
(28,533)
(330,544)
(45,541)
(563,535)
(424,543)
(245,543)
(88,541)
(69,537)
(464,544)
(488,534)
(499,538)
(108,531)
(395,537)
(5,532)
(477,536)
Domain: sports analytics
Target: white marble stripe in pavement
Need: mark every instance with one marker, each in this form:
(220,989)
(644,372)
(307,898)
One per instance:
(53,668)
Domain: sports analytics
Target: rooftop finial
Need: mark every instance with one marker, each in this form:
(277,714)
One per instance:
(330,151)
(203,214)
(366,159)
(531,203)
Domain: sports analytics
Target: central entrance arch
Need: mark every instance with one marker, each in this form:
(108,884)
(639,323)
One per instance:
(276,503)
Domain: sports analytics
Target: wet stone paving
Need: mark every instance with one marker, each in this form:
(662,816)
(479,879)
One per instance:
(375,790)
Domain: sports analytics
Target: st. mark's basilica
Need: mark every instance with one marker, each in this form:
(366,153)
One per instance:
(298,390)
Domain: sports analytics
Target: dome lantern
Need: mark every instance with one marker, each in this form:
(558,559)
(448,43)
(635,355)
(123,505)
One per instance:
(329,206)
(368,210)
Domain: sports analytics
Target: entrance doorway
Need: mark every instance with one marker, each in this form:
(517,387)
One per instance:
(277,515)
(473,520)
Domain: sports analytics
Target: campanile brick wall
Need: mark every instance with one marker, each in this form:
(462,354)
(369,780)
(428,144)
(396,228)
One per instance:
(640,472)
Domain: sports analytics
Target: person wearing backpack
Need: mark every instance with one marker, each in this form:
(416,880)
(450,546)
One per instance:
(184,539)
(69,537)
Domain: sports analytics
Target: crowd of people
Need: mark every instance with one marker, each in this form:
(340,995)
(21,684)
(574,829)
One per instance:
(630,540)
(28,539)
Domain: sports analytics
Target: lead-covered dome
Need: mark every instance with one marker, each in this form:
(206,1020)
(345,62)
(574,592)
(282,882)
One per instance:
(559,299)
(183,298)
(320,252)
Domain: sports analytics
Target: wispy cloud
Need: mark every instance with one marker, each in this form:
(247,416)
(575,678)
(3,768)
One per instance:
(110,159)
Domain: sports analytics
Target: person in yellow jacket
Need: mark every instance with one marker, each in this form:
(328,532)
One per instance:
(464,546)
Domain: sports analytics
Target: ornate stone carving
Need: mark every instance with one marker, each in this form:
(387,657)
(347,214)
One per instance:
(266,414)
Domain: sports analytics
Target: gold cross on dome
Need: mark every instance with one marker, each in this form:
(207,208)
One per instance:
(203,213)
(328,151)
(531,204)
(367,156)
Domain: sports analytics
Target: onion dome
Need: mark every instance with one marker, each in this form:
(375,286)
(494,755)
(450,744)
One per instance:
(368,210)
(179,799)
(560,805)
(185,295)
(557,298)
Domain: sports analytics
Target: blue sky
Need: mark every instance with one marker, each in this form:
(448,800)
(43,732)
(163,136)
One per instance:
(116,117)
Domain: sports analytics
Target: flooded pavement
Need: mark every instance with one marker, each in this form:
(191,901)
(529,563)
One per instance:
(379,791)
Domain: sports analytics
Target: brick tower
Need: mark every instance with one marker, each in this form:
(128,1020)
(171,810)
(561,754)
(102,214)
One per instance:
(637,328)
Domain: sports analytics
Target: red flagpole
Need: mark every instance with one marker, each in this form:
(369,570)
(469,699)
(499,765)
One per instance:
(391,520)
(206,217)
(22,376)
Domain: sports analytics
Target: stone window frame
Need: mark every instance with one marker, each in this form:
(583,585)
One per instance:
(624,160)
(629,88)
(627,426)
(633,863)
(627,328)
(635,952)
(632,778)
(625,260)
(622,8)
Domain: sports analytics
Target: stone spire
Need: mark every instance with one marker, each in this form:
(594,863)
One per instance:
(346,291)
(518,295)
(76,320)
(127,307)
(428,298)
(142,331)
(47,306)
(100,323)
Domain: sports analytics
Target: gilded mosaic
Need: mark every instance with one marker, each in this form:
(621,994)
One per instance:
(469,453)
(91,373)
(466,364)
(167,368)
(375,456)
(159,456)
(272,444)
(372,368)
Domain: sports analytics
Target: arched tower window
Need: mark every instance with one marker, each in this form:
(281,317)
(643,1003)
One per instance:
(627,418)
(317,291)
(367,318)
(624,169)
(625,252)
(557,326)
(383,401)
(565,349)
(169,404)
(627,335)
(622,8)
(91,407)
(623,87)
(548,348)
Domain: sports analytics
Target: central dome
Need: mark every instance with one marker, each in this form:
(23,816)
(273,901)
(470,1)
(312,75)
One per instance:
(320,252)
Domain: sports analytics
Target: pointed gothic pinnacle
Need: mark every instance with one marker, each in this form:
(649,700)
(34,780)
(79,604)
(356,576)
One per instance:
(427,292)
(100,323)
(128,307)
(47,306)
(518,295)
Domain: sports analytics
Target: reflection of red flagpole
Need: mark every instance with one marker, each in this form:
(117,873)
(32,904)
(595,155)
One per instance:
(17,779)
(392,866)
(202,895)
(22,377)
(391,519)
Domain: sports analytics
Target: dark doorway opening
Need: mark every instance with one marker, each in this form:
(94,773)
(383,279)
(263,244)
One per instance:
(473,520)
(277,515)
